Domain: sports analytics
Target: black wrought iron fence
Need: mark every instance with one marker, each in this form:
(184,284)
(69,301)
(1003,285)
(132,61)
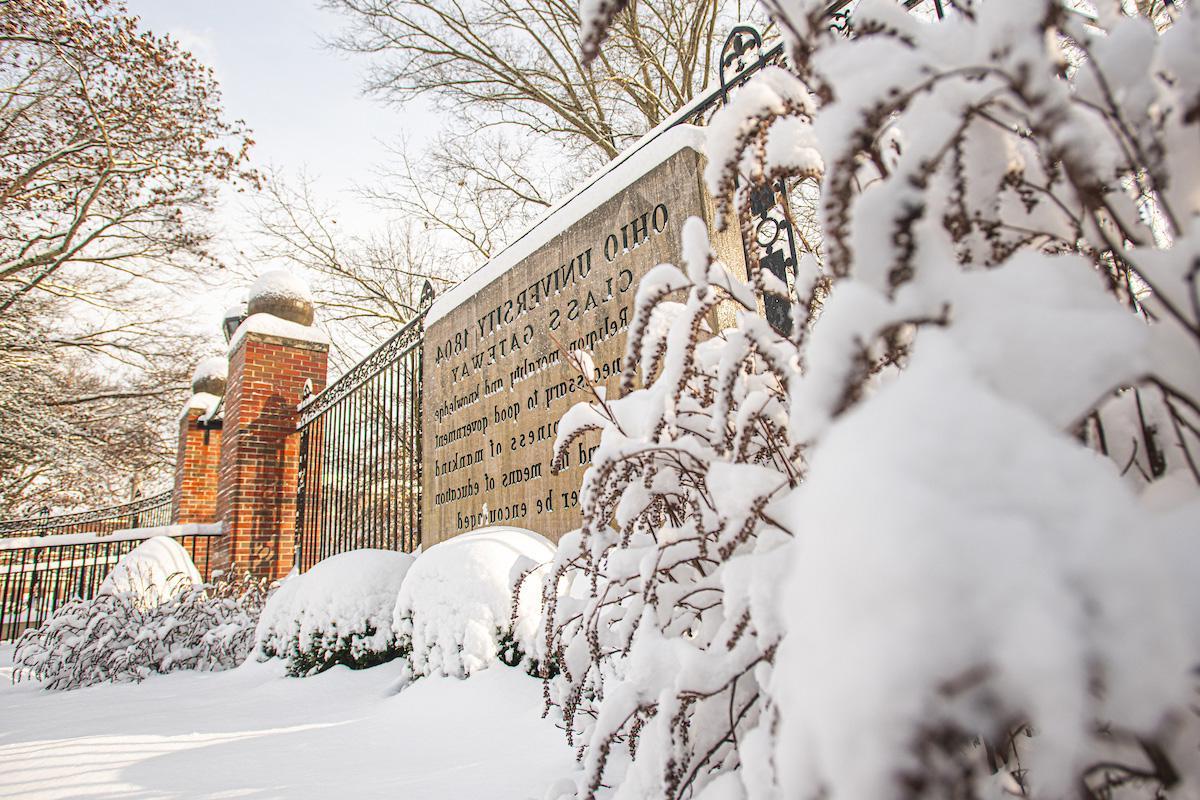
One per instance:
(41,572)
(360,455)
(145,512)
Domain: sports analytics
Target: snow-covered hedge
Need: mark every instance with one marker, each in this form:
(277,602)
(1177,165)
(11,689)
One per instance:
(471,600)
(151,614)
(339,612)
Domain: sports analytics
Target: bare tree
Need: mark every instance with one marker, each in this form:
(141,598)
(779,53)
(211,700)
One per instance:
(367,286)
(88,409)
(479,188)
(112,143)
(112,148)
(508,73)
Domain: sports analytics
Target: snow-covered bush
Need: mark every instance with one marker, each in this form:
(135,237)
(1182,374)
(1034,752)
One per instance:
(151,615)
(471,600)
(339,612)
(155,571)
(884,555)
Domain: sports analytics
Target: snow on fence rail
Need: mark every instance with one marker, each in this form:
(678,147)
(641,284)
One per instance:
(39,573)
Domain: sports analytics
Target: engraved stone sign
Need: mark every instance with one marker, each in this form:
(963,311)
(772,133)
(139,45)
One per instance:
(495,380)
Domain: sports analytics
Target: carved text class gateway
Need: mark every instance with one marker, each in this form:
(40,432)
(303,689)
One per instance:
(626,238)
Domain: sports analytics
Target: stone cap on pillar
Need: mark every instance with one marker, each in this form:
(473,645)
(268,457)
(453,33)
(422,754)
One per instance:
(281,294)
(210,376)
(280,307)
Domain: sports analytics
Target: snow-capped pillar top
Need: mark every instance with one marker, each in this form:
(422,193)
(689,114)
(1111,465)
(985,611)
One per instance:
(210,376)
(281,294)
(197,460)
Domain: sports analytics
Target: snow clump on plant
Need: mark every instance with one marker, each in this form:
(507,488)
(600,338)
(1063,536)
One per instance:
(938,537)
(471,600)
(339,612)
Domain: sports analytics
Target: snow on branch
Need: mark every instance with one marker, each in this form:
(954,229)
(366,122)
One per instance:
(940,539)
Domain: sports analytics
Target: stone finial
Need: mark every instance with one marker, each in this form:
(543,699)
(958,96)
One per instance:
(210,376)
(281,294)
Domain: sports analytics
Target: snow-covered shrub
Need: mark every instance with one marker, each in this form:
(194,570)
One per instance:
(144,620)
(210,626)
(155,571)
(672,505)
(471,600)
(339,612)
(884,555)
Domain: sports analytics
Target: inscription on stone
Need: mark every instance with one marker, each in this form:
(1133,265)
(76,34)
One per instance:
(495,380)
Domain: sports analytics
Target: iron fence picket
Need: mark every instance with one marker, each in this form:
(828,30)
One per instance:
(358,442)
(39,578)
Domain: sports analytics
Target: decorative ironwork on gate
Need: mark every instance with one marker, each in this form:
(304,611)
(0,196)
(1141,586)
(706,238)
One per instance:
(144,512)
(770,236)
(359,482)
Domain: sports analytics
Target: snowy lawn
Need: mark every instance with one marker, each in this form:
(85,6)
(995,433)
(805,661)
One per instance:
(252,732)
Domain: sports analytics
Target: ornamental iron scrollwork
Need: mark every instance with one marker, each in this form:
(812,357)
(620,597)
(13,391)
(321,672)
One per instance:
(772,244)
(44,523)
(775,243)
(743,54)
(410,336)
(742,41)
(839,13)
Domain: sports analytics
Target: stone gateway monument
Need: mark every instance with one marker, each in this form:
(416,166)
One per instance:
(495,378)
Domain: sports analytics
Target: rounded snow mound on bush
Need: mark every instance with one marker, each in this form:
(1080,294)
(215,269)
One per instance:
(455,608)
(339,612)
(150,615)
(152,573)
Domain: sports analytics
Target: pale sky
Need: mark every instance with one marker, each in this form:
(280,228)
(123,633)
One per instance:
(301,99)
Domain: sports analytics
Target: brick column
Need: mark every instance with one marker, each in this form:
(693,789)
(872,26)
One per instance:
(256,494)
(199,455)
(196,466)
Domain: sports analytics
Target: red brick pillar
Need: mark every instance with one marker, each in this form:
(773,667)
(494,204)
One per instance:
(198,459)
(256,496)
(195,497)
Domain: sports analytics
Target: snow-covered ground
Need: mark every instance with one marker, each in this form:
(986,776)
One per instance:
(252,732)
